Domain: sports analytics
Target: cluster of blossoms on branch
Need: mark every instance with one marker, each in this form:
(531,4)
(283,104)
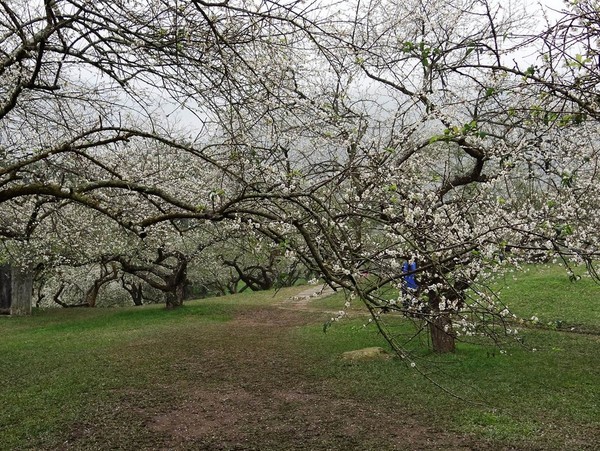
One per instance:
(274,140)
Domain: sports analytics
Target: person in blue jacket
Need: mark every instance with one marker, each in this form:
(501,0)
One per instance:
(409,281)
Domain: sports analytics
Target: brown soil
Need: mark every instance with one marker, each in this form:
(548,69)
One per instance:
(246,388)
(263,404)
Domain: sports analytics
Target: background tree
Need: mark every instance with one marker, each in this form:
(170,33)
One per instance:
(355,140)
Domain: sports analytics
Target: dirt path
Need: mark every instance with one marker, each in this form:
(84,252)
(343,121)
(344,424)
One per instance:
(251,384)
(302,300)
(266,398)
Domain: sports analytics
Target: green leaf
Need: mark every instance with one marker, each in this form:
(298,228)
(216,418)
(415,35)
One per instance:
(567,179)
(530,71)
(407,47)
(437,138)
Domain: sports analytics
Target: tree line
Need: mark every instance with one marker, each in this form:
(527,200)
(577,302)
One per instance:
(269,140)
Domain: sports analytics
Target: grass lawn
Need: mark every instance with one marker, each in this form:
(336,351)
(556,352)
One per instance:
(239,372)
(547,293)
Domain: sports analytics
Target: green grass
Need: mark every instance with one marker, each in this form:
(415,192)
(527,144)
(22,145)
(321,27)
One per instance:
(547,293)
(60,363)
(520,398)
(56,361)
(535,395)
(546,393)
(95,378)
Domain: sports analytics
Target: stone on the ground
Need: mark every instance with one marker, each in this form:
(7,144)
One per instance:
(375,353)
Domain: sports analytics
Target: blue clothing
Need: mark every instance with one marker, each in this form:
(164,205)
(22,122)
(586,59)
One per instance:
(409,280)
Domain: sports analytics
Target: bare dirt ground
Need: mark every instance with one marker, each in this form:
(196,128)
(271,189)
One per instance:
(241,386)
(302,300)
(265,401)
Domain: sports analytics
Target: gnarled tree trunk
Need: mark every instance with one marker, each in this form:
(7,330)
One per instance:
(135,290)
(176,284)
(442,337)
(106,275)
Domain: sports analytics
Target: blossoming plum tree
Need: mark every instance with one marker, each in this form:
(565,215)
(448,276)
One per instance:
(354,139)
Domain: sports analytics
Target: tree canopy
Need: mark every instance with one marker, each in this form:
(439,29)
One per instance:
(349,137)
